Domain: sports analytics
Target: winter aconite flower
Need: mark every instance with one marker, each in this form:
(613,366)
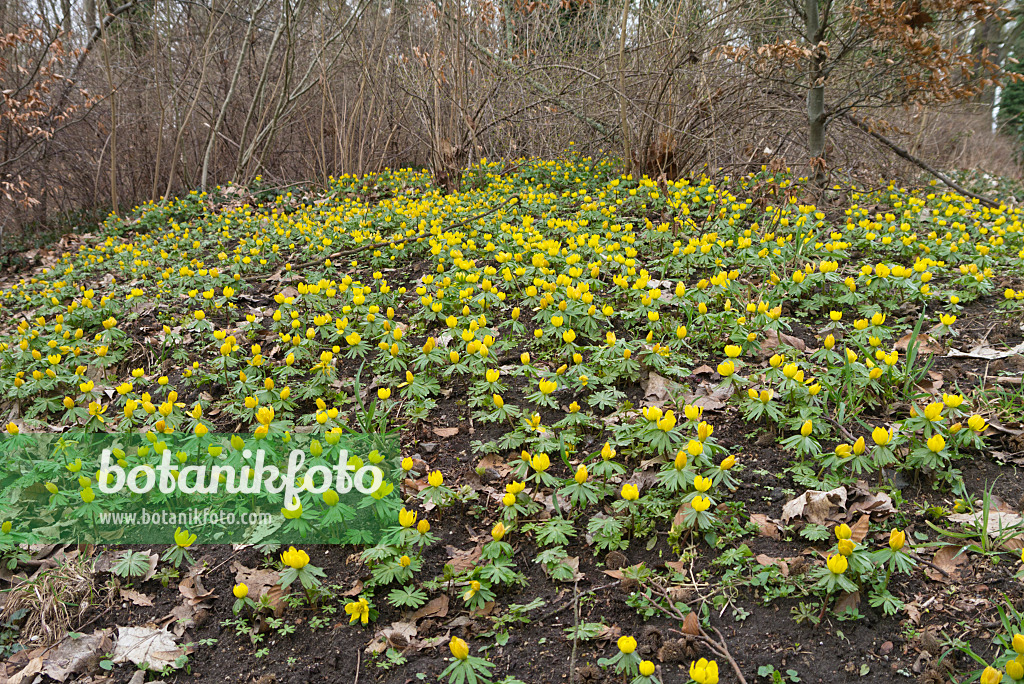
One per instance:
(897,539)
(358,610)
(837,564)
(459,648)
(991,676)
(406,518)
(704,671)
(183,539)
(626,644)
(295,558)
(630,492)
(240,591)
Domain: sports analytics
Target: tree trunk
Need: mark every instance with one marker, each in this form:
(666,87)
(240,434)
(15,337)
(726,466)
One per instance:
(816,95)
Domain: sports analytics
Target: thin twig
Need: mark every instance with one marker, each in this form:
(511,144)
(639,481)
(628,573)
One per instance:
(359,658)
(575,629)
(556,611)
(930,565)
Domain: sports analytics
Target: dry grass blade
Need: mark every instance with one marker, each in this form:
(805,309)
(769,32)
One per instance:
(55,598)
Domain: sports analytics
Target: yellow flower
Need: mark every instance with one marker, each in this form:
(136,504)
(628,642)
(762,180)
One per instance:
(726,368)
(581,474)
(976,423)
(508,499)
(937,443)
(704,671)
(183,539)
(358,610)
(733,350)
(881,436)
(727,463)
(492,374)
(933,411)
(607,452)
(459,648)
(294,513)
(295,558)
(423,526)
(1015,668)
(991,676)
(897,539)
(498,532)
(701,484)
(540,462)
(240,591)
(626,644)
(383,393)
(548,386)
(846,546)
(6,527)
(646,668)
(843,531)
(12,429)
(837,564)
(667,422)
(806,428)
(435,478)
(407,463)
(1018,643)
(353,339)
(681,460)
(406,518)
(700,503)
(630,492)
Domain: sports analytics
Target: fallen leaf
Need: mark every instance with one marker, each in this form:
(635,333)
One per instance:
(258,580)
(860,529)
(691,625)
(767,526)
(437,607)
(658,390)
(926,344)
(767,560)
(27,673)
(446,432)
(950,559)
(814,506)
(76,656)
(848,602)
(156,647)
(463,560)
(986,352)
(709,397)
(1007,525)
(137,598)
(773,339)
(193,590)
(931,384)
